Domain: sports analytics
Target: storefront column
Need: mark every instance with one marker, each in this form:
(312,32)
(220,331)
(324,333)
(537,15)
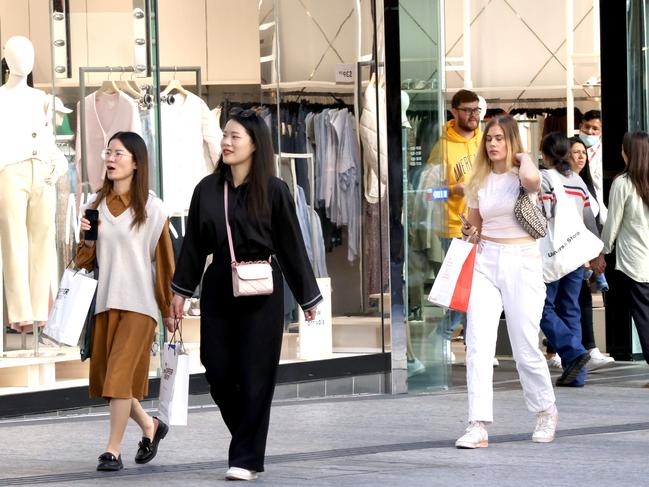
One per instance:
(395,185)
(615,119)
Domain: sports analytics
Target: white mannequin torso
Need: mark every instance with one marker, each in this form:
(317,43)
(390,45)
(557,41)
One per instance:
(25,122)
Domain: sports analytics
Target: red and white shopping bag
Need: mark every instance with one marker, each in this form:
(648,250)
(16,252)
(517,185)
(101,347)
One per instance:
(452,286)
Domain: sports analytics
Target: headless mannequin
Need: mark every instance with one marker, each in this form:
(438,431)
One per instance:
(29,168)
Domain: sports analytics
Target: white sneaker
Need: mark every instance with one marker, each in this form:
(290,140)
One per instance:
(236,473)
(554,362)
(546,425)
(194,307)
(475,436)
(598,360)
(496,363)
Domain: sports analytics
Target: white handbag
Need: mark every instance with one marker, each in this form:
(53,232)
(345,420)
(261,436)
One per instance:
(248,278)
(568,244)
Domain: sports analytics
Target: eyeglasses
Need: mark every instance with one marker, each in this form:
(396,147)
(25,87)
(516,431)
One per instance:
(241,113)
(469,111)
(116,155)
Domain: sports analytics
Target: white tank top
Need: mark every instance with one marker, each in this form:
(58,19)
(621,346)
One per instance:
(496,201)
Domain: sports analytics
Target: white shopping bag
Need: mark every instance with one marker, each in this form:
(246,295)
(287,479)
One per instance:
(70,308)
(174,384)
(568,243)
(452,286)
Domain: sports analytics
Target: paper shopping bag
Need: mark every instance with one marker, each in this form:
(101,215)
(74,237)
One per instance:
(70,308)
(452,286)
(174,384)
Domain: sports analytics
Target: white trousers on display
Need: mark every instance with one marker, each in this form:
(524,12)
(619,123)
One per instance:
(506,276)
(27,206)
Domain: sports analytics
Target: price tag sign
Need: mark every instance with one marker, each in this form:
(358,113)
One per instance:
(438,194)
(345,73)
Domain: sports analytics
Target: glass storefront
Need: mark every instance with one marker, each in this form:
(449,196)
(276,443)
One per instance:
(428,332)
(638,64)
(171,71)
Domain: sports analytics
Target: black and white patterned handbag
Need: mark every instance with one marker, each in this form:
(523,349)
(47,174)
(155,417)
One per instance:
(529,215)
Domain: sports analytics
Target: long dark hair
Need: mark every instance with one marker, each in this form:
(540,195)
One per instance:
(556,148)
(636,148)
(262,167)
(139,192)
(585,174)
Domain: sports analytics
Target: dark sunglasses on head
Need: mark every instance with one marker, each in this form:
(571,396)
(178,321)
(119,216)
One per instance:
(241,113)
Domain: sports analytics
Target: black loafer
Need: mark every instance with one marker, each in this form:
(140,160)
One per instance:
(149,448)
(572,370)
(108,462)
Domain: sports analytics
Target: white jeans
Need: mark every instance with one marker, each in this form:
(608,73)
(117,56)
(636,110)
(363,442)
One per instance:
(509,276)
(27,206)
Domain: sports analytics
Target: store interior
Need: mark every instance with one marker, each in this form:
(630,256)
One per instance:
(278,57)
(300,63)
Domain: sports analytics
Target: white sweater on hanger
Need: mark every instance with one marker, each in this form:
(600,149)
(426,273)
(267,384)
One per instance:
(191,147)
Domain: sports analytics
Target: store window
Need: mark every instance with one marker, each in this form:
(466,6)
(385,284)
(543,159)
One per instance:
(429,328)
(638,64)
(172,71)
(318,89)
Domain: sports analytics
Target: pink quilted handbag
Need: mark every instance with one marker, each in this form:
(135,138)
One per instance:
(248,278)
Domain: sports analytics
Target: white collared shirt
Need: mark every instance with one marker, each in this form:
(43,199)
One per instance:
(595,163)
(628,225)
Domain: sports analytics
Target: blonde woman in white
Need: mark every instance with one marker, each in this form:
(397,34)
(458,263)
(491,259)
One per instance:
(508,275)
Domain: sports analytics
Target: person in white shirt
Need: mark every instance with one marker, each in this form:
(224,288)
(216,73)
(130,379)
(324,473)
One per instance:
(628,227)
(578,158)
(508,274)
(561,321)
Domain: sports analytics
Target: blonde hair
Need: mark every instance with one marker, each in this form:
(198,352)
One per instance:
(482,165)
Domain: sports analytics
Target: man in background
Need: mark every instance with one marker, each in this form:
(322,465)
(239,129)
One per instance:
(590,132)
(455,153)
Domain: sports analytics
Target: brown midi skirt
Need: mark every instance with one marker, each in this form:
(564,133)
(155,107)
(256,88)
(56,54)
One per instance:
(121,350)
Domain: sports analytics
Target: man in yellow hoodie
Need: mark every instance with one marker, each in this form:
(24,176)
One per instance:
(456,151)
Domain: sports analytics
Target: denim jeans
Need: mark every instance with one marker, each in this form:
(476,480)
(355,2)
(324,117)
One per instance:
(561,321)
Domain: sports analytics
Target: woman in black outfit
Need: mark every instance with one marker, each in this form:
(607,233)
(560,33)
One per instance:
(241,337)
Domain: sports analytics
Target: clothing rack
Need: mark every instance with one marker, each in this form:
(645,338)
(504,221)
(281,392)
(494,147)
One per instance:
(291,157)
(358,102)
(127,69)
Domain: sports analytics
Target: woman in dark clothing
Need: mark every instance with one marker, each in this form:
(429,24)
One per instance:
(241,337)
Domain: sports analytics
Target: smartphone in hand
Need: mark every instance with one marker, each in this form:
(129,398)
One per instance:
(93,217)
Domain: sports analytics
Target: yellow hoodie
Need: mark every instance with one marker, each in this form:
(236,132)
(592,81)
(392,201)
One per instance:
(458,154)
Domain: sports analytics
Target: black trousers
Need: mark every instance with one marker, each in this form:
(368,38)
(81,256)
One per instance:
(637,300)
(241,340)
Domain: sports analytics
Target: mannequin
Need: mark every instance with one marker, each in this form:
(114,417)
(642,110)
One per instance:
(405,103)
(30,164)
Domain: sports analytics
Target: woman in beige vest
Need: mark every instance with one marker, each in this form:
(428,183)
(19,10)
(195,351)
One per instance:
(132,241)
